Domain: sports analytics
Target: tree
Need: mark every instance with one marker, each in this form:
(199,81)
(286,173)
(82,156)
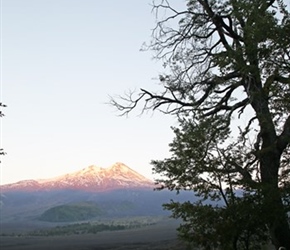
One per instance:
(1,115)
(227,81)
(1,149)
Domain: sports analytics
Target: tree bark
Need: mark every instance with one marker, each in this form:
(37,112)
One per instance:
(279,227)
(277,218)
(270,156)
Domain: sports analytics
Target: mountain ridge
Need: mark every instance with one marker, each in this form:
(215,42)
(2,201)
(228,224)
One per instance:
(92,178)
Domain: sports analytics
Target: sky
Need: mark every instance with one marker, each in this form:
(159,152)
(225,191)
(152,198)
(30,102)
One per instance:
(60,62)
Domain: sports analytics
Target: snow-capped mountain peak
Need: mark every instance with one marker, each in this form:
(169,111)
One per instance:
(92,178)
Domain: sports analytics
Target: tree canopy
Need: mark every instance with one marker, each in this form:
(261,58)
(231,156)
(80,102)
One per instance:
(227,81)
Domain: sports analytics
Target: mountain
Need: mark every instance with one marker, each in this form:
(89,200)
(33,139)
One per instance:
(92,178)
(113,192)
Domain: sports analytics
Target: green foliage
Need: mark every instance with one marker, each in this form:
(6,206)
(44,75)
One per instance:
(72,212)
(237,226)
(199,163)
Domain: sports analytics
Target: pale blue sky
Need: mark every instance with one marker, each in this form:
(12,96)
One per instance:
(60,61)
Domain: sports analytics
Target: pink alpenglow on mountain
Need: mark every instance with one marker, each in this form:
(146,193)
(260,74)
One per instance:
(92,178)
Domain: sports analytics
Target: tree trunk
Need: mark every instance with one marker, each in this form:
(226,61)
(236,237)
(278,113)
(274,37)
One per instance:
(279,226)
(269,157)
(277,219)
(280,234)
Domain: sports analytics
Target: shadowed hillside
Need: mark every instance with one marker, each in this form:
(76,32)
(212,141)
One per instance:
(72,212)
